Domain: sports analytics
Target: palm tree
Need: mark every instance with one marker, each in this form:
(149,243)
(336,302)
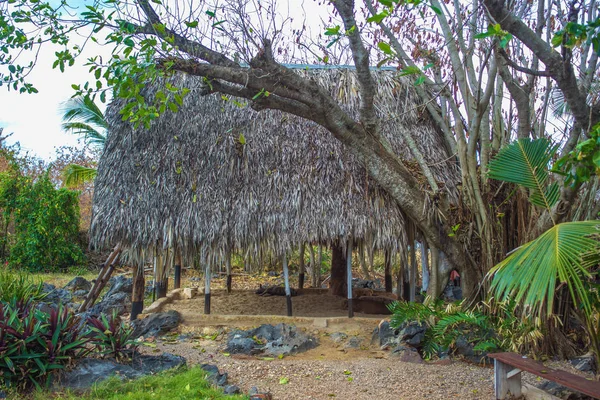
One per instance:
(564,255)
(83,117)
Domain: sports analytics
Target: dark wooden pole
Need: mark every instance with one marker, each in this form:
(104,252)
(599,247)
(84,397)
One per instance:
(349,275)
(207,276)
(138,292)
(177,272)
(388,270)
(301,267)
(228,267)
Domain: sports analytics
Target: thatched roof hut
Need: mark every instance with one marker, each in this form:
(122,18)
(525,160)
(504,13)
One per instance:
(218,174)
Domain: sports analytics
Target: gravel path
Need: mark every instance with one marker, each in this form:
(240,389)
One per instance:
(330,371)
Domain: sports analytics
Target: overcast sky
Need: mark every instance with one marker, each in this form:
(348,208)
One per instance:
(34,119)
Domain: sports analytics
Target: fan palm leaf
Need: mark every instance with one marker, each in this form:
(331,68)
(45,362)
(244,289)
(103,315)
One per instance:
(565,253)
(525,162)
(75,175)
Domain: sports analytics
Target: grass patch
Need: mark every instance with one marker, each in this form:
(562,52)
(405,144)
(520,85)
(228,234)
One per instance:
(180,384)
(60,279)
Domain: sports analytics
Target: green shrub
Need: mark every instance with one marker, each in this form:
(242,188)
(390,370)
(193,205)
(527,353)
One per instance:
(19,286)
(111,336)
(35,344)
(488,327)
(46,227)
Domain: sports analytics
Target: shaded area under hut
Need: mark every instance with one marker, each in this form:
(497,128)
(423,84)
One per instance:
(218,176)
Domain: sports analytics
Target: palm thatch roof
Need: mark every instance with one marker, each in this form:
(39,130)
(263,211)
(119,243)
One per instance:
(218,174)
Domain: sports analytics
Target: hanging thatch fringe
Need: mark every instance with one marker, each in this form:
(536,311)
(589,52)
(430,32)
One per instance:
(217,175)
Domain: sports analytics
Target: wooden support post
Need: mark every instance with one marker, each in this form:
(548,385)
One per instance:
(207,277)
(228,268)
(349,275)
(388,270)
(412,272)
(425,264)
(301,267)
(506,380)
(177,273)
(286,279)
(138,292)
(103,276)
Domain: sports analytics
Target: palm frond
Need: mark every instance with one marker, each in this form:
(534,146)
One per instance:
(565,253)
(525,162)
(75,175)
(82,116)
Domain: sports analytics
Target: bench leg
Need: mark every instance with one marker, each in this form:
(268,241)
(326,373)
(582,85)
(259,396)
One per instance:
(506,380)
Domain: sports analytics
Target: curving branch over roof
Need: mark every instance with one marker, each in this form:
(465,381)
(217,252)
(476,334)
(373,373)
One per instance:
(218,174)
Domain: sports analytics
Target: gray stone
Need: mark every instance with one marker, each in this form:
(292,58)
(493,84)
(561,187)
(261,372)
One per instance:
(407,354)
(56,296)
(412,329)
(119,284)
(561,392)
(213,375)
(232,389)
(80,293)
(338,337)
(240,345)
(78,283)
(353,343)
(463,347)
(386,335)
(585,363)
(90,371)
(270,340)
(156,324)
(117,302)
(416,340)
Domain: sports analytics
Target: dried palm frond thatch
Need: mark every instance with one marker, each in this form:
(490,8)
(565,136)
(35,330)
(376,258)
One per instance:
(219,175)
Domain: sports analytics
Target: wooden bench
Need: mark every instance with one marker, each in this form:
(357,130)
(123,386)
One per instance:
(507,376)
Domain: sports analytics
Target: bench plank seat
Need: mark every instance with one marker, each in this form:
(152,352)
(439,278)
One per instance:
(564,378)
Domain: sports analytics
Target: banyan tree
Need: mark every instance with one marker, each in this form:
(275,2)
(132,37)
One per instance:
(218,176)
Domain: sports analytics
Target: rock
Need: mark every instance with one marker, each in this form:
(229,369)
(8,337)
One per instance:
(255,394)
(119,284)
(416,340)
(353,343)
(92,370)
(385,334)
(561,392)
(273,273)
(338,337)
(270,340)
(117,302)
(78,283)
(232,389)
(584,363)
(240,345)
(411,330)
(463,347)
(189,293)
(56,296)
(407,354)
(156,324)
(367,284)
(213,375)
(80,293)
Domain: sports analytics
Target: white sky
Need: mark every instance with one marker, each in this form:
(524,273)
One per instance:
(35,119)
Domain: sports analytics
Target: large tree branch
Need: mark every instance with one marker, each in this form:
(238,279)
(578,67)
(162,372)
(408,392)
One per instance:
(560,70)
(360,55)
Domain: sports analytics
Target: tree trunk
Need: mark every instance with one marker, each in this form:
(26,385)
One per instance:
(312,265)
(228,268)
(362,260)
(319,265)
(388,271)
(337,282)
